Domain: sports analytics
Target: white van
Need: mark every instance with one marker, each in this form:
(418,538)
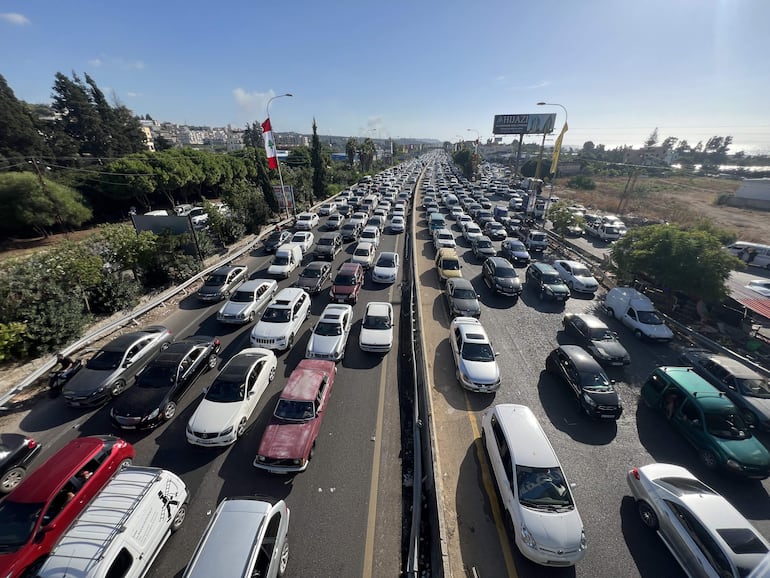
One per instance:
(753,254)
(636,312)
(122,530)
(287,258)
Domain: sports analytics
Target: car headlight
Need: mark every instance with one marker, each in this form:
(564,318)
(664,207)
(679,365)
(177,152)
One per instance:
(527,537)
(296,462)
(549,289)
(589,400)
(153,415)
(582,540)
(602,353)
(241,316)
(189,429)
(260,458)
(227,431)
(733,465)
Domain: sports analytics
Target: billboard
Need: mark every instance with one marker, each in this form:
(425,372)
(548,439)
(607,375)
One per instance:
(524,123)
(171,224)
(285,199)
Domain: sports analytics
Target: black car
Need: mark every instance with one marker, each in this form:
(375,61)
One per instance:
(545,281)
(594,391)
(222,282)
(16,453)
(314,276)
(350,231)
(483,247)
(154,397)
(515,251)
(594,335)
(275,240)
(501,277)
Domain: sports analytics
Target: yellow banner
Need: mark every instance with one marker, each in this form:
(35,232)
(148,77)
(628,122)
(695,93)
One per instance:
(557,150)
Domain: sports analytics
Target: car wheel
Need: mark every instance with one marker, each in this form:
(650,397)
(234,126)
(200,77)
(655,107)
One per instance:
(637,333)
(11,479)
(571,285)
(169,410)
(251,317)
(241,428)
(709,459)
(181,513)
(283,561)
(118,387)
(749,417)
(225,295)
(541,295)
(610,312)
(165,345)
(291,342)
(647,514)
(271,376)
(312,452)
(211,362)
(125,463)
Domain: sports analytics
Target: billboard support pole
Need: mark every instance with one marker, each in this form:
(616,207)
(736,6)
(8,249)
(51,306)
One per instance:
(518,155)
(540,158)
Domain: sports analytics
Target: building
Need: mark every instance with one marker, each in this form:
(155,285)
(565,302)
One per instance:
(752,194)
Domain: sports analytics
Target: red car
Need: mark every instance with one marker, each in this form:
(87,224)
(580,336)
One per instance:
(347,284)
(289,439)
(41,508)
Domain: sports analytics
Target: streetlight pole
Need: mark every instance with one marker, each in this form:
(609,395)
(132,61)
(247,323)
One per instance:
(278,162)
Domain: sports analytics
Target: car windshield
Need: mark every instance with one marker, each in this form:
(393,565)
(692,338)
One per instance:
(754,387)
(726,423)
(281,260)
(484,243)
(276,315)
(595,381)
(386,261)
(451,265)
(505,273)
(312,273)
(464,294)
(157,376)
(275,237)
(327,328)
(17,521)
(376,322)
(602,334)
(649,318)
(323,241)
(552,280)
(742,540)
(361,252)
(344,280)
(304,217)
(580,271)
(478,352)
(516,246)
(216,280)
(104,360)
(222,391)
(243,297)
(298,238)
(543,488)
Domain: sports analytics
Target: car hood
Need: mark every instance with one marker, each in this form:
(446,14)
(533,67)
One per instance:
(324,344)
(385,271)
(558,289)
(287,440)
(210,290)
(273,269)
(586,281)
(376,336)
(308,283)
(749,451)
(486,372)
(211,417)
(89,380)
(609,398)
(658,331)
(760,406)
(512,282)
(234,308)
(554,530)
(138,401)
(610,348)
(467,305)
(270,329)
(519,254)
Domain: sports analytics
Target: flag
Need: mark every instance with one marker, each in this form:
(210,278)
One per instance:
(272,154)
(557,150)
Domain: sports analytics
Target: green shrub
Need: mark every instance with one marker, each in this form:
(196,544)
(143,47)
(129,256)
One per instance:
(10,339)
(582,182)
(115,293)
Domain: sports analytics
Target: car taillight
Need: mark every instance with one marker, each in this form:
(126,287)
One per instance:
(635,473)
(31,444)
(217,343)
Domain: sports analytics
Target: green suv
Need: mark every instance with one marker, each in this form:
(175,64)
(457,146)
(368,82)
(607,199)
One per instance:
(545,280)
(708,420)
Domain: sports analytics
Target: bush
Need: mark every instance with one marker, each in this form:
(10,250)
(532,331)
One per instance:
(10,339)
(115,293)
(582,182)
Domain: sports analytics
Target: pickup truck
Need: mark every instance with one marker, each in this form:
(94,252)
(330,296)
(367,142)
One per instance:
(602,231)
(533,239)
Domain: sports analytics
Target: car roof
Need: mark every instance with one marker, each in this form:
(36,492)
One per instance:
(225,270)
(349,268)
(736,368)
(581,358)
(378,308)
(176,352)
(500,262)
(317,265)
(460,283)
(123,342)
(334,311)
(253,284)
(330,235)
(304,380)
(698,388)
(236,368)
(591,321)
(526,438)
(365,244)
(471,329)
(544,267)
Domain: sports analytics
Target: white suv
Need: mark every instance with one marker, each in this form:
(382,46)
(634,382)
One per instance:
(281,320)
(306,221)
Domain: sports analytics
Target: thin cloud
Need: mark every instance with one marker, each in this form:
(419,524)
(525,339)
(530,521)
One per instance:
(95,62)
(135,65)
(541,84)
(134,94)
(252,103)
(14,18)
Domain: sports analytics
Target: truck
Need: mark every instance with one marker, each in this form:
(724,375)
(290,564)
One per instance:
(533,239)
(635,310)
(601,230)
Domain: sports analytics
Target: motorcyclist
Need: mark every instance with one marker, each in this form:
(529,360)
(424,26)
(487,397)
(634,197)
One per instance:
(62,372)
(65,362)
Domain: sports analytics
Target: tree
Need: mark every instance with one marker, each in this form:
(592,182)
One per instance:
(162,143)
(130,178)
(318,162)
(464,159)
(351,149)
(652,140)
(78,118)
(588,147)
(562,218)
(19,136)
(690,261)
(366,154)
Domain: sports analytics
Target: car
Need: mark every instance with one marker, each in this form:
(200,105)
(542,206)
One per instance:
(534,491)
(347,284)
(247,301)
(455,212)
(306,221)
(154,397)
(545,281)
(281,320)
(313,277)
(483,248)
(288,441)
(199,218)
(335,221)
(594,335)
(304,239)
(495,231)
(471,231)
(397,224)
(329,335)
(221,417)
(359,218)
(514,251)
(701,529)
(746,388)
(708,420)
(385,268)
(327,209)
(16,454)
(370,234)
(475,360)
(500,276)
(377,328)
(761,286)
(577,276)
(461,298)
(443,238)
(112,368)
(364,254)
(329,245)
(222,282)
(586,379)
(350,231)
(40,509)
(376,221)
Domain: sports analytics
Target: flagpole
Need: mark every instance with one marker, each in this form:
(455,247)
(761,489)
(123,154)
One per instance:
(278,162)
(561,136)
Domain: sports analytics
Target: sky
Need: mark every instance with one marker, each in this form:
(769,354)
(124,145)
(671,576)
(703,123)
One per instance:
(439,69)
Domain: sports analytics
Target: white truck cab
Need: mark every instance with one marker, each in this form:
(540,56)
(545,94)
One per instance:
(636,311)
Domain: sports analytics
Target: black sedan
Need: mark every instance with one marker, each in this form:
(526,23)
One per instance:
(157,391)
(501,277)
(314,276)
(587,381)
(594,335)
(275,240)
(16,453)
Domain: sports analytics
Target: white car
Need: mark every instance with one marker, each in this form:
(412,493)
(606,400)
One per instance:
(364,254)
(399,212)
(577,276)
(397,224)
(386,268)
(228,403)
(377,328)
(248,299)
(475,360)
(443,238)
(281,320)
(371,233)
(358,218)
(472,231)
(534,491)
(304,239)
(706,534)
(330,333)
(328,209)
(761,286)
(306,221)
(456,212)
(335,221)
(463,219)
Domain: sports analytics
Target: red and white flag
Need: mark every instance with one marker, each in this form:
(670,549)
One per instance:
(272,153)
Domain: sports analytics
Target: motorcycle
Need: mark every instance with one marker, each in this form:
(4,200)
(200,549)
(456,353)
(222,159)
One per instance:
(58,378)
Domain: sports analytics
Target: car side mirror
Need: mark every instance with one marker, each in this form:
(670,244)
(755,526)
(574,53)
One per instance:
(497,353)
(205,390)
(127,363)
(612,382)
